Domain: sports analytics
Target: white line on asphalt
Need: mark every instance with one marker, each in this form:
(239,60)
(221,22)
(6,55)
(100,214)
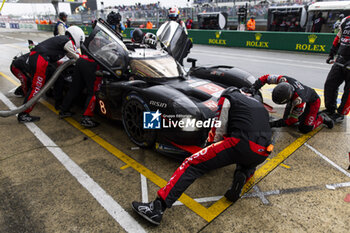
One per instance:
(240,57)
(261,195)
(340,185)
(256,194)
(328,160)
(111,206)
(144,189)
(201,200)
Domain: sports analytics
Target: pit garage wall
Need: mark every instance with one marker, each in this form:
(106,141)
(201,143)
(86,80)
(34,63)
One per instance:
(290,41)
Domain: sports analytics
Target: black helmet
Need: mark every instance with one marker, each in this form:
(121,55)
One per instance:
(282,93)
(62,15)
(137,35)
(114,18)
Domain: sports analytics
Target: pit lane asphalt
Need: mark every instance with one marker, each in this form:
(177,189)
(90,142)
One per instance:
(39,195)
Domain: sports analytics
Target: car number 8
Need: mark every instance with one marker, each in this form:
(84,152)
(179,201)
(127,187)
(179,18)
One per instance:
(102,107)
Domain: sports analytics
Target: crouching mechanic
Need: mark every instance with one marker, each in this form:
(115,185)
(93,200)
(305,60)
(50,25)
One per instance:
(242,139)
(47,52)
(84,76)
(302,102)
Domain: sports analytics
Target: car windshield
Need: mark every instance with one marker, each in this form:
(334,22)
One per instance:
(157,67)
(109,48)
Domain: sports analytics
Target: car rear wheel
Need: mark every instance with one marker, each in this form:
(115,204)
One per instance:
(133,108)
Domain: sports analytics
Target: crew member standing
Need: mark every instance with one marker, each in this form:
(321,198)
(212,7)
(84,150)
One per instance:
(251,24)
(242,139)
(61,25)
(302,102)
(46,52)
(337,75)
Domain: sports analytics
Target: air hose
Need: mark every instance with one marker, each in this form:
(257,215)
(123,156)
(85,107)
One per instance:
(46,87)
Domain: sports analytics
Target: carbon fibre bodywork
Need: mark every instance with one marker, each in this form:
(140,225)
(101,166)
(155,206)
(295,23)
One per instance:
(138,78)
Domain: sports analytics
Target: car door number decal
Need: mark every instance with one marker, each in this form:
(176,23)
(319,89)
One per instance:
(102,107)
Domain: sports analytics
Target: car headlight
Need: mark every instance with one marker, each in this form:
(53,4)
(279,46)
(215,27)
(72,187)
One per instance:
(189,124)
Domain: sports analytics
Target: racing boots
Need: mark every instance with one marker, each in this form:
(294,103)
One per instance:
(25,117)
(64,114)
(19,92)
(152,211)
(327,121)
(87,122)
(337,118)
(234,193)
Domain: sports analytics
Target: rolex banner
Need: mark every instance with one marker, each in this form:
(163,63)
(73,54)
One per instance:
(291,41)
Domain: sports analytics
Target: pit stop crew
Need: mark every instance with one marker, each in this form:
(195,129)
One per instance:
(84,76)
(242,139)
(337,75)
(20,69)
(302,102)
(45,53)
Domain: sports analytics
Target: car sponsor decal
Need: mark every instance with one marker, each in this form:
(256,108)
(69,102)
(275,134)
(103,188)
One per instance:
(211,89)
(194,83)
(213,105)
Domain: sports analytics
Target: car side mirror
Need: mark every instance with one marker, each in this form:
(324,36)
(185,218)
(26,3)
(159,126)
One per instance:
(193,61)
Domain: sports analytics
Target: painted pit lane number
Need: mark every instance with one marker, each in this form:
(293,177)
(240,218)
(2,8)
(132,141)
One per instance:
(102,107)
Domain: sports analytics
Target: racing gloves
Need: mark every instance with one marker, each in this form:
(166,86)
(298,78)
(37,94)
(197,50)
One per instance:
(257,85)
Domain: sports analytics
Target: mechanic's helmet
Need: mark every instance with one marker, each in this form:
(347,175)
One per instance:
(282,93)
(62,15)
(77,35)
(150,39)
(114,18)
(149,35)
(341,16)
(137,35)
(173,13)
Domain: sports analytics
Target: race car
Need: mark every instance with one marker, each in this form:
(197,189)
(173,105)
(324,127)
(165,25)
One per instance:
(159,103)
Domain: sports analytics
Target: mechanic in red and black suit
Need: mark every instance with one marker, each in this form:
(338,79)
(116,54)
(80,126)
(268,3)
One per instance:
(20,69)
(302,102)
(242,139)
(84,76)
(44,54)
(337,75)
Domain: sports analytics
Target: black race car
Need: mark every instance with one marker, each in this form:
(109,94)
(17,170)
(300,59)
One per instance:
(151,92)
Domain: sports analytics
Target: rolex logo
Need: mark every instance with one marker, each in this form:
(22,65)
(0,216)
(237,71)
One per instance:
(258,36)
(312,38)
(217,34)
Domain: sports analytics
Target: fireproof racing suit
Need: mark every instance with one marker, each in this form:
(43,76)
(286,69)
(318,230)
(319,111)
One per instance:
(242,139)
(20,69)
(337,75)
(84,76)
(45,53)
(302,107)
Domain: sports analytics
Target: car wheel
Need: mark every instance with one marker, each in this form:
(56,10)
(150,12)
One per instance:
(132,112)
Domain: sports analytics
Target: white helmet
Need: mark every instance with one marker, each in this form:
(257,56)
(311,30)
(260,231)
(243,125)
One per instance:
(77,34)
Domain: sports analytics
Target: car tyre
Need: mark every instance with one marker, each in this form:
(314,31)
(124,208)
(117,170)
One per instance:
(132,117)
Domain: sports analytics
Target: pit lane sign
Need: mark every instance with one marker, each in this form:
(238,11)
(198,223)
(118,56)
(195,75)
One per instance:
(257,43)
(311,46)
